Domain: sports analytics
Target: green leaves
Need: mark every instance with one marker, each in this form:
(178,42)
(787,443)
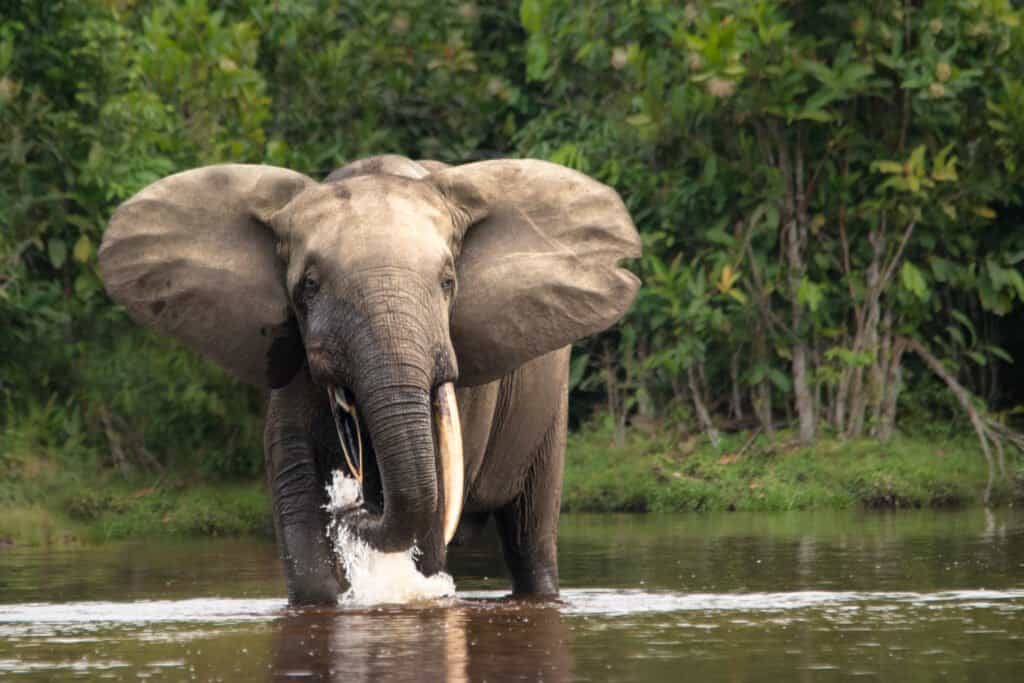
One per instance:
(82,251)
(810,295)
(727,127)
(58,252)
(531,14)
(913,281)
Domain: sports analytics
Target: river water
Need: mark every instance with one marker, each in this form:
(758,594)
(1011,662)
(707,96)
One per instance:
(910,596)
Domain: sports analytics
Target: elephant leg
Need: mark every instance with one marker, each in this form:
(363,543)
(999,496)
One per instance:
(471,524)
(300,520)
(528,526)
(433,553)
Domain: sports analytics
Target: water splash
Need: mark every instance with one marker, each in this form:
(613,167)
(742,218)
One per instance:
(375,577)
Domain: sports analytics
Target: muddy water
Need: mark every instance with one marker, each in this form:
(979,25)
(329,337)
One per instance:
(810,596)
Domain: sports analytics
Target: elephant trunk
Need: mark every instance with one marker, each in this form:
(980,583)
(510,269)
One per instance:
(400,379)
(398,418)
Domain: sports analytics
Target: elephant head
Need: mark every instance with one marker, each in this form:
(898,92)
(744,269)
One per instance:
(391,281)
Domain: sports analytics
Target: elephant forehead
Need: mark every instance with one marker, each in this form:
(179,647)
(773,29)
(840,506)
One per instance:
(370,205)
(372,221)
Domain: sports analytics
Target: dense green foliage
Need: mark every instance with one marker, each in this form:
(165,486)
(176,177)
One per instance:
(826,192)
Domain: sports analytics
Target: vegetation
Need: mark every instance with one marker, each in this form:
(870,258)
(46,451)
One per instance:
(675,473)
(829,195)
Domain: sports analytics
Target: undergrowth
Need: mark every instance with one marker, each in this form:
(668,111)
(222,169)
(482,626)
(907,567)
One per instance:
(53,495)
(665,473)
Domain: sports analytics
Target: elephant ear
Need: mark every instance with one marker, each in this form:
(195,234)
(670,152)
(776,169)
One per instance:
(194,257)
(539,265)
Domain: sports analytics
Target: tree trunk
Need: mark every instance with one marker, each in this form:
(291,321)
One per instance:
(615,411)
(867,336)
(802,390)
(893,386)
(703,417)
(736,403)
(762,398)
(879,373)
(793,212)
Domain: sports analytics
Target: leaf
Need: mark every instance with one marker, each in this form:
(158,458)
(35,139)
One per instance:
(1000,353)
(719,236)
(58,252)
(779,379)
(977,357)
(944,166)
(984,212)
(887,167)
(913,281)
(738,295)
(578,369)
(942,269)
(727,279)
(814,115)
(82,250)
(963,320)
(809,294)
(531,15)
(536,58)
(956,334)
(916,160)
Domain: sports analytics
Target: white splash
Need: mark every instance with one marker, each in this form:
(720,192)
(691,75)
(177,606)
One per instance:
(375,577)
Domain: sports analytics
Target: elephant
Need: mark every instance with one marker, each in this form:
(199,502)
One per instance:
(411,324)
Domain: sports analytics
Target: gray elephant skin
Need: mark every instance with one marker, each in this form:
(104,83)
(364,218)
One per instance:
(411,323)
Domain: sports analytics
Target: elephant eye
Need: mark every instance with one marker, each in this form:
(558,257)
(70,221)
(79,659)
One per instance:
(307,288)
(448,286)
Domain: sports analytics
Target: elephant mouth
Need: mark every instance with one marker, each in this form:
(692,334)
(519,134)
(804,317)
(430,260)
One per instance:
(361,463)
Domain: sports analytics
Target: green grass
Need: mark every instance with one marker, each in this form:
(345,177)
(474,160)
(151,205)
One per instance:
(52,496)
(109,509)
(34,525)
(49,496)
(661,474)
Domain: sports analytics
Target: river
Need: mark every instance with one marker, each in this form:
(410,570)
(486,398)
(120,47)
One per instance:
(907,596)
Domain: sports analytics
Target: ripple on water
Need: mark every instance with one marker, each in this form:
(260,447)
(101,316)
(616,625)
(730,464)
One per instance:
(87,638)
(573,602)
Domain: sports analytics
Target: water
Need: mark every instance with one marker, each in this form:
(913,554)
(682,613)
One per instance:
(901,597)
(374,577)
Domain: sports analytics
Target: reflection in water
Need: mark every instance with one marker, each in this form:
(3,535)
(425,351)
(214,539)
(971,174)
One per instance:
(464,641)
(916,596)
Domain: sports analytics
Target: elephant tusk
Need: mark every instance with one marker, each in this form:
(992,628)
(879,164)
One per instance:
(449,447)
(339,400)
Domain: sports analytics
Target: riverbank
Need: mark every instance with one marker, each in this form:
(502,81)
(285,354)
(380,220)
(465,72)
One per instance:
(44,502)
(754,473)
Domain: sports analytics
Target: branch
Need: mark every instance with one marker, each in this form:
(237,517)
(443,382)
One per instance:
(890,270)
(988,430)
(758,293)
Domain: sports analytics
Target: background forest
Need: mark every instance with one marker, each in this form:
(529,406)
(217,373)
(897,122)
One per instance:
(829,195)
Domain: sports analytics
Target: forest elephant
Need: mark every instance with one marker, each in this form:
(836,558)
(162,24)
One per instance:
(411,322)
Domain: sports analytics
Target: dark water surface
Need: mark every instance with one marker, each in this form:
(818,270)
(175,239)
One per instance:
(911,596)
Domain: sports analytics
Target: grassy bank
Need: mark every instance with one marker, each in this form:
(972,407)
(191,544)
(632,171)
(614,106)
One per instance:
(652,474)
(45,499)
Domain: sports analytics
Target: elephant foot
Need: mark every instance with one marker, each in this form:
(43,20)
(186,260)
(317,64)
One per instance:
(319,594)
(539,583)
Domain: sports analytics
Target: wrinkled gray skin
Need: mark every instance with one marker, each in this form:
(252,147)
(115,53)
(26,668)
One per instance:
(371,263)
(514,436)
